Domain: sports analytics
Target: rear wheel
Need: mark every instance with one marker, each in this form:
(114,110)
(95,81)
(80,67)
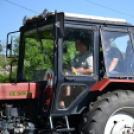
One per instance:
(112,113)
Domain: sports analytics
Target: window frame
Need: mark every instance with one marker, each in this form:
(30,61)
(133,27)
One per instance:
(110,29)
(76,99)
(82,28)
(24,44)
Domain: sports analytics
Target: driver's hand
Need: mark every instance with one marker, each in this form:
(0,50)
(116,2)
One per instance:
(104,76)
(73,69)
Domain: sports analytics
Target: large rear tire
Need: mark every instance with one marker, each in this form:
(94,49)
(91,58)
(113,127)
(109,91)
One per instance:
(112,113)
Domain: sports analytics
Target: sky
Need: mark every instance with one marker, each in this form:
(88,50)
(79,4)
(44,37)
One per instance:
(11,16)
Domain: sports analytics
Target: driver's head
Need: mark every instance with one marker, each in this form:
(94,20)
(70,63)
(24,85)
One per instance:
(81,44)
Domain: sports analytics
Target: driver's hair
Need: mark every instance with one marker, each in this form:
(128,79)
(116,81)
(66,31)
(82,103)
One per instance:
(84,41)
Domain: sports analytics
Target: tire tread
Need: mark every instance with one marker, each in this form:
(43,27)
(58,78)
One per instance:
(96,108)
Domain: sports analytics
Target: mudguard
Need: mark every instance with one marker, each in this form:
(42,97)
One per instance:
(10,91)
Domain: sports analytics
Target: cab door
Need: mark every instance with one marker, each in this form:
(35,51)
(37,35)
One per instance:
(78,50)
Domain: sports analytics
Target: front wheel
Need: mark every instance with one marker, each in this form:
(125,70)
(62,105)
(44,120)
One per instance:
(112,113)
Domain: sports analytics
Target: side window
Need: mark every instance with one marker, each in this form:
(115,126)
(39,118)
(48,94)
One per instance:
(119,54)
(78,52)
(63,101)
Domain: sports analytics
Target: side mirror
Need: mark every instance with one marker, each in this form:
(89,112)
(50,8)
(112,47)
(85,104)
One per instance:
(12,49)
(9,47)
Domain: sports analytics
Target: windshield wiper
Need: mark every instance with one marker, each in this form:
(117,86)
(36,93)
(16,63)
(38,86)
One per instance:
(44,53)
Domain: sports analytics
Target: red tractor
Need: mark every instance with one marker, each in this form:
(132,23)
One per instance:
(74,75)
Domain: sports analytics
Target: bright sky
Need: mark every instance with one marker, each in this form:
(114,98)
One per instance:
(11,16)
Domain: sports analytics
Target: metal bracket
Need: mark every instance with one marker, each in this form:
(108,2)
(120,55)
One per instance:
(57,24)
(129,30)
(102,27)
(94,28)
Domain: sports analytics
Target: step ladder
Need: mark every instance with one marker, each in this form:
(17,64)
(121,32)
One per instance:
(67,129)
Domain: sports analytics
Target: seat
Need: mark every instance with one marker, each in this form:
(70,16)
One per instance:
(129,59)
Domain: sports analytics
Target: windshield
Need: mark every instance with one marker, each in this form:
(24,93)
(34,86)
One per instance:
(119,54)
(35,66)
(78,52)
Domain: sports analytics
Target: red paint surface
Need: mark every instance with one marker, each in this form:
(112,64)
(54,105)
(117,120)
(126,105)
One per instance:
(7,88)
(100,85)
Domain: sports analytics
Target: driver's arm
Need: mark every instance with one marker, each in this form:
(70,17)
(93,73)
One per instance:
(89,69)
(113,64)
(85,71)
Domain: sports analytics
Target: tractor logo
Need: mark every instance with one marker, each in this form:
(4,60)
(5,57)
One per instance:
(20,93)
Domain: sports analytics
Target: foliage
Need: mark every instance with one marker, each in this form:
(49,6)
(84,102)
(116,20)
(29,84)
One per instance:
(1,48)
(4,79)
(71,51)
(34,57)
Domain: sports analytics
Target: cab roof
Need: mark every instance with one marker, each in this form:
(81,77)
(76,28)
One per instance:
(88,17)
(79,18)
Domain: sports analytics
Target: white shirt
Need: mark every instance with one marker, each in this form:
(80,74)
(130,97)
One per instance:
(83,62)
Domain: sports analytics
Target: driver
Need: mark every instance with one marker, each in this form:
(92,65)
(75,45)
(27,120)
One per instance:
(82,64)
(114,59)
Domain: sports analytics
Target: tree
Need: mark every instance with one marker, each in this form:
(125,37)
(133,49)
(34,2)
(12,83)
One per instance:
(0,46)
(34,58)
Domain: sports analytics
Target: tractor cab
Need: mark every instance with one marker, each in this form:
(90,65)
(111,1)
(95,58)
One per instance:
(64,54)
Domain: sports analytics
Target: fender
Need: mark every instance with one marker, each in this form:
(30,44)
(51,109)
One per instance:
(102,84)
(13,91)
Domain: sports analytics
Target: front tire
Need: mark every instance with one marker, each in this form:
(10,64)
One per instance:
(112,113)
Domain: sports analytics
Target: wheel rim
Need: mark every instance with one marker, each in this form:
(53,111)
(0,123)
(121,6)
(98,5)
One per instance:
(120,122)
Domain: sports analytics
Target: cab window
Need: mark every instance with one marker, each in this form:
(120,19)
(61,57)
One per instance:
(119,53)
(77,57)
(37,61)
